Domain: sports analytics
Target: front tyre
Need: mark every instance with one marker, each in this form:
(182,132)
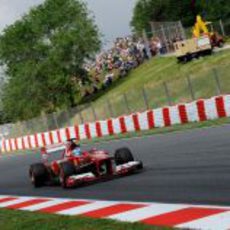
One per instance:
(123,156)
(38,174)
(67,169)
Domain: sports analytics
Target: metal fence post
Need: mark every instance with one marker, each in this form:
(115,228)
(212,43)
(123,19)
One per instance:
(30,127)
(222,28)
(126,103)
(21,128)
(217,80)
(182,30)
(93,111)
(190,88)
(167,93)
(109,107)
(81,117)
(44,119)
(145,38)
(55,120)
(145,98)
(16,130)
(67,117)
(165,38)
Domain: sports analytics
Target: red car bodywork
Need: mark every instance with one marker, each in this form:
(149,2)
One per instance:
(90,166)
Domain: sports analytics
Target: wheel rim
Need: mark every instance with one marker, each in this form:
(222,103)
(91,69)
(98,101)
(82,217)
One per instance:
(62,179)
(32,178)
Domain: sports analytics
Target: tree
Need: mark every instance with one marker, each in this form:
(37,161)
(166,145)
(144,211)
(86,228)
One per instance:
(3,119)
(145,11)
(215,10)
(43,53)
(174,10)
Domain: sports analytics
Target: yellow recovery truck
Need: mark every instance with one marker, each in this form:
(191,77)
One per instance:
(201,44)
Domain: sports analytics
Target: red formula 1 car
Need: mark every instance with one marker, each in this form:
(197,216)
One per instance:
(78,167)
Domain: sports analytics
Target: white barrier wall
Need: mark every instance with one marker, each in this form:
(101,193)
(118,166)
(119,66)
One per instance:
(197,111)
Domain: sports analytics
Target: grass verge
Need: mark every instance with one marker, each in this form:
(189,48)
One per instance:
(17,220)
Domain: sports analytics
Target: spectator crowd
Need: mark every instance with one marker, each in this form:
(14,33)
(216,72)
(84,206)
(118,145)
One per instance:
(126,54)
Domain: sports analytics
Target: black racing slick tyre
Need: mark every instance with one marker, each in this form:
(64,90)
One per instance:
(67,169)
(38,174)
(221,44)
(123,155)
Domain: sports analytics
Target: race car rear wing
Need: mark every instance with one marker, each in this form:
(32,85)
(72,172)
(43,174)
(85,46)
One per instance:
(52,148)
(45,151)
(56,147)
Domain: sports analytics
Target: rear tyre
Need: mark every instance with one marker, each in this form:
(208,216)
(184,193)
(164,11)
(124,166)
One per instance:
(221,44)
(38,174)
(122,156)
(67,169)
(185,59)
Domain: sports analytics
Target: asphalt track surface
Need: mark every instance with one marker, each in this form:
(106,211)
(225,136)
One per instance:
(186,167)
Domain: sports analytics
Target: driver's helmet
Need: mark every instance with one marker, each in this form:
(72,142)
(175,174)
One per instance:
(77,150)
(73,148)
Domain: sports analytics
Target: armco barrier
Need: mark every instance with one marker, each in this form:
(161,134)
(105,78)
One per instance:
(197,111)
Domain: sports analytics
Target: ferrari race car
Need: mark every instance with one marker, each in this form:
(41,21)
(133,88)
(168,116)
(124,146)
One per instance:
(78,167)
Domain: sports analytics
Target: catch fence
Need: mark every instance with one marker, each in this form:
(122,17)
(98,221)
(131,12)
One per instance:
(182,89)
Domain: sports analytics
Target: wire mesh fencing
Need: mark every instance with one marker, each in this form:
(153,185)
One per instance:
(183,89)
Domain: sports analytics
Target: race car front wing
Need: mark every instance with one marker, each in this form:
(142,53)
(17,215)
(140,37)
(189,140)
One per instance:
(120,170)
